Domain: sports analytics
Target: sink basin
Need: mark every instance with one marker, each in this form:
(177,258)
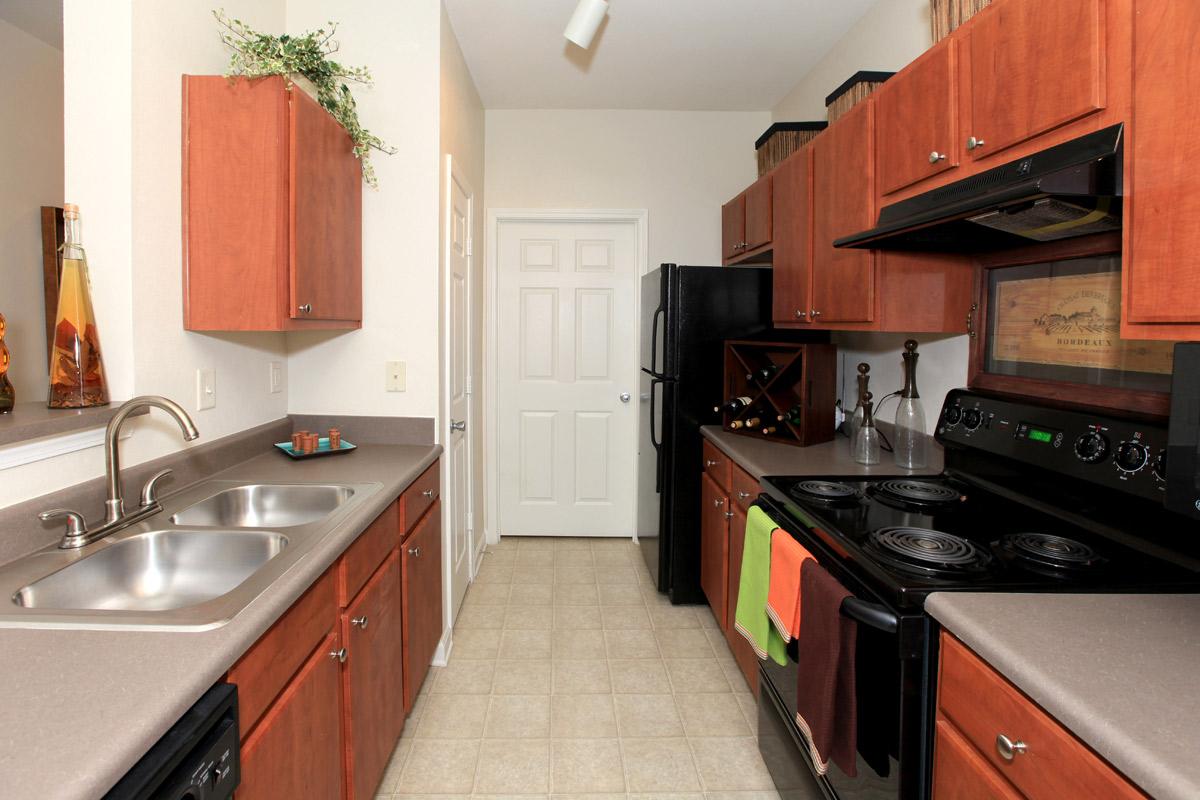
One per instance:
(265,506)
(156,571)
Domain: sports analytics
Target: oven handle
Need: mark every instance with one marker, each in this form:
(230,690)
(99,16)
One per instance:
(871,614)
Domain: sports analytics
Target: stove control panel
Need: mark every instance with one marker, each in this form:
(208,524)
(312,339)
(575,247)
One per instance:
(1125,455)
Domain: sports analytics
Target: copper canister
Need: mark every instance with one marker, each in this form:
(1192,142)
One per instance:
(298,441)
(335,439)
(313,443)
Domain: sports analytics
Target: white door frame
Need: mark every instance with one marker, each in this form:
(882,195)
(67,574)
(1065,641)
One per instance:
(453,175)
(495,217)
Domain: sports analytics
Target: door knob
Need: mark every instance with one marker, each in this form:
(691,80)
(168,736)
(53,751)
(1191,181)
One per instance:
(625,397)
(460,425)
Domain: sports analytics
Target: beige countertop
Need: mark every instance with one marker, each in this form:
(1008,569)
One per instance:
(762,457)
(78,708)
(1119,671)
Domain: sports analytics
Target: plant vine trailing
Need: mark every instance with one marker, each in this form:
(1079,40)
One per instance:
(257,55)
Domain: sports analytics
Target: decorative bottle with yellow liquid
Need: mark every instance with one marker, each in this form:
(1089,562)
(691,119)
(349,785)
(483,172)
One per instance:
(76,367)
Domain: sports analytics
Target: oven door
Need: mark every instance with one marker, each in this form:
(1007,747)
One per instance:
(893,698)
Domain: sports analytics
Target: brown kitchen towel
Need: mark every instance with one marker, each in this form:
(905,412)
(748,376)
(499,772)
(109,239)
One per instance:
(826,701)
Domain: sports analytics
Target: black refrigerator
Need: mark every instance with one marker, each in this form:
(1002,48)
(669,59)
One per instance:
(687,314)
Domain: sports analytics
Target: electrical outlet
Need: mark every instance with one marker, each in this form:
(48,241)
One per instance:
(206,389)
(395,376)
(275,377)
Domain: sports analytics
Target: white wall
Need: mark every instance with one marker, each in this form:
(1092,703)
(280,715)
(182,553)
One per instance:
(31,163)
(890,35)
(344,372)
(680,165)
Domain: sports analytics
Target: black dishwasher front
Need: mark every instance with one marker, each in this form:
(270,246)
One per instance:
(197,759)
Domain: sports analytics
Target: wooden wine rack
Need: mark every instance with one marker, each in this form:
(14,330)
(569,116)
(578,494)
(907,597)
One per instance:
(805,376)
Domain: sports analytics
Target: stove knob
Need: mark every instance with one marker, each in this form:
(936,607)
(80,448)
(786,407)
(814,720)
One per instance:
(953,415)
(972,418)
(1091,447)
(1160,465)
(1131,456)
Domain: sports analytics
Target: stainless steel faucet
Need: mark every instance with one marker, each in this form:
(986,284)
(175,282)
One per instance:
(115,518)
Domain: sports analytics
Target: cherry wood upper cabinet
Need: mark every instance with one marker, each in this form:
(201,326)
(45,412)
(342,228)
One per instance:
(272,210)
(421,566)
(733,227)
(843,280)
(792,260)
(1162,281)
(1033,66)
(758,213)
(916,121)
(746,223)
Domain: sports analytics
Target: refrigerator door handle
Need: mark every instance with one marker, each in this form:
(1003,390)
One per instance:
(655,441)
(658,312)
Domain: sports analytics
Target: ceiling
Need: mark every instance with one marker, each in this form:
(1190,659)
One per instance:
(40,18)
(704,55)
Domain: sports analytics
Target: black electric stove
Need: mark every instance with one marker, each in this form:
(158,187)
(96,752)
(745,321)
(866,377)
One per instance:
(1032,499)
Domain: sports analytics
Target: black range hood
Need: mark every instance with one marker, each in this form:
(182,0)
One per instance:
(1071,189)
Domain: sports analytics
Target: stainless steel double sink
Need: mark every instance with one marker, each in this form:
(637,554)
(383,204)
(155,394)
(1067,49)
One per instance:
(213,548)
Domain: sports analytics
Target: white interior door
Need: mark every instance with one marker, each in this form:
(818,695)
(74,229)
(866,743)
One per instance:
(566,368)
(457,503)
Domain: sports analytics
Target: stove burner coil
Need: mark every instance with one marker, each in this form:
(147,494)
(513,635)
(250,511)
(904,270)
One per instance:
(825,491)
(1047,551)
(928,550)
(915,492)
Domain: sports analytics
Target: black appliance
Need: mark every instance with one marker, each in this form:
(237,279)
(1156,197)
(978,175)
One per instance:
(1032,499)
(1071,189)
(197,759)
(1183,442)
(687,314)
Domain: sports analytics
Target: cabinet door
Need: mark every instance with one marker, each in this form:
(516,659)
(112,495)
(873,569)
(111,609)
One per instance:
(714,547)
(733,227)
(1162,283)
(791,202)
(960,773)
(843,280)
(373,693)
(743,653)
(296,751)
(326,211)
(421,564)
(1034,66)
(916,131)
(758,213)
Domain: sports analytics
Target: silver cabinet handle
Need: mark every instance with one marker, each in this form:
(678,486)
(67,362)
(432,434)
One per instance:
(708,462)
(76,524)
(720,501)
(935,157)
(149,495)
(459,425)
(728,515)
(1009,749)
(360,622)
(339,655)
(415,552)
(306,308)
(427,493)
(974,143)
(625,397)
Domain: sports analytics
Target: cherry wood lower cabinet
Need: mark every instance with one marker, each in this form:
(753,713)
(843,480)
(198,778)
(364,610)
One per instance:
(743,653)
(991,737)
(714,547)
(421,567)
(297,749)
(371,686)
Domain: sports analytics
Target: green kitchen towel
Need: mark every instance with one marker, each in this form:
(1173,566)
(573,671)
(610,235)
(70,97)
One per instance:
(750,618)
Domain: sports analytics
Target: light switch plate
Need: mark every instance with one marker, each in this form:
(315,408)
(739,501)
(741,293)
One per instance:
(395,377)
(275,373)
(206,389)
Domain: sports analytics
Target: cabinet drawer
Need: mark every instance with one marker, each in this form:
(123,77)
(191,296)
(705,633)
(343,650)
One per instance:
(419,496)
(266,667)
(743,487)
(367,552)
(717,465)
(983,705)
(960,773)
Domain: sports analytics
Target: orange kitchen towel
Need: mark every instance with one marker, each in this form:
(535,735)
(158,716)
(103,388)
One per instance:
(783,593)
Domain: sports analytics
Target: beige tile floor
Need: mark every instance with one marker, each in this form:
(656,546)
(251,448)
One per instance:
(571,676)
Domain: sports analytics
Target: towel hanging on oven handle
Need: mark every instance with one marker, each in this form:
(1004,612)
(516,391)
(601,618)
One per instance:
(871,614)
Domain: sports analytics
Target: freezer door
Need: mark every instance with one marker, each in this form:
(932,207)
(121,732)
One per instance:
(655,299)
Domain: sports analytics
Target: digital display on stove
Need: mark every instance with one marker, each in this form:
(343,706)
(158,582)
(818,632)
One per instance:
(1027,430)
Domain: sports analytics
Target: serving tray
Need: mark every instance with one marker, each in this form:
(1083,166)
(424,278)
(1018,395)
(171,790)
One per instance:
(323,449)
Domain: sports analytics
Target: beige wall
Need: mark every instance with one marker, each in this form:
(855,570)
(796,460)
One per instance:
(890,35)
(31,175)
(461,133)
(680,165)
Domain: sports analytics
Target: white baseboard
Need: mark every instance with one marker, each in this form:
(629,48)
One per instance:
(441,656)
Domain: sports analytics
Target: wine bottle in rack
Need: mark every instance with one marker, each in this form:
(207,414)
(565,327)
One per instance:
(733,406)
(753,422)
(770,429)
(737,424)
(763,376)
(794,415)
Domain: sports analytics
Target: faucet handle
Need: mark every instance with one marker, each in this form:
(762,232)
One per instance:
(76,524)
(149,494)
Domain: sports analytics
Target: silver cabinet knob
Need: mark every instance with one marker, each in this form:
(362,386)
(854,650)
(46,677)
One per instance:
(728,515)
(801,314)
(339,655)
(76,524)
(1009,749)
(360,622)
(427,493)
(743,495)
(974,143)
(720,501)
(625,397)
(935,157)
(814,313)
(149,493)
(415,552)
(708,462)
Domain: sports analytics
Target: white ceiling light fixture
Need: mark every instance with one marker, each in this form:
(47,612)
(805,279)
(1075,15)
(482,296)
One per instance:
(585,22)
